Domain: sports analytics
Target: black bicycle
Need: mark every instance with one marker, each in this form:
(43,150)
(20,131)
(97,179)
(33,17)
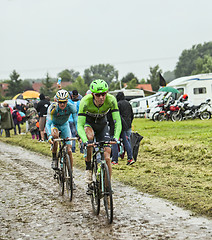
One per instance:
(64,174)
(101,184)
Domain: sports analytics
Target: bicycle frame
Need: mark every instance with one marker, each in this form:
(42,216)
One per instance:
(64,173)
(103,188)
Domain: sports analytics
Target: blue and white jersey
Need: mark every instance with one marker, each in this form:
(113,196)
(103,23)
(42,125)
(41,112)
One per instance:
(59,117)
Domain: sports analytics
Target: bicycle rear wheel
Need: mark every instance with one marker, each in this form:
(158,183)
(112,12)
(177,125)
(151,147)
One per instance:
(108,197)
(68,176)
(95,196)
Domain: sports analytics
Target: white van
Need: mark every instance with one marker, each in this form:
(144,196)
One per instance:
(140,105)
(198,87)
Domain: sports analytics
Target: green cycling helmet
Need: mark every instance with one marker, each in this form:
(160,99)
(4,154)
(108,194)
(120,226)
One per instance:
(98,86)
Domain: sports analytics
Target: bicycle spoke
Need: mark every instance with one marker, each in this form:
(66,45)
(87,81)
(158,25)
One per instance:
(108,197)
(68,177)
(60,180)
(95,197)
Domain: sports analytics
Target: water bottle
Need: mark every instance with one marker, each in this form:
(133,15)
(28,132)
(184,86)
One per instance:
(59,81)
(61,162)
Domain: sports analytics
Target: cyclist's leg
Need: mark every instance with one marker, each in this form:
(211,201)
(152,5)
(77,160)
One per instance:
(107,159)
(90,135)
(104,135)
(66,133)
(55,134)
(70,155)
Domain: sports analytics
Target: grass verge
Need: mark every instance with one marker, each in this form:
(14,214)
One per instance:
(174,162)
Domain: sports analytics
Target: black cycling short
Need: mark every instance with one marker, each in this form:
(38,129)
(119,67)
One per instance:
(101,130)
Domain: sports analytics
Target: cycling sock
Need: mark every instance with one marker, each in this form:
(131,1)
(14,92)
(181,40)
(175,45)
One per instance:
(54,155)
(88,165)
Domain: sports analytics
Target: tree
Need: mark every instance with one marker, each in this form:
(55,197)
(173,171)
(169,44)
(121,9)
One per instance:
(203,65)
(78,85)
(154,77)
(114,85)
(143,81)
(27,85)
(129,77)
(15,84)
(68,75)
(187,61)
(47,89)
(169,76)
(106,72)
(132,84)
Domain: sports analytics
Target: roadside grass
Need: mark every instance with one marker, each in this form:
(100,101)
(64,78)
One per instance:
(174,162)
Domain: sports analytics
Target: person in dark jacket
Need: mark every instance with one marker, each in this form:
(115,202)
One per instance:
(15,120)
(6,122)
(127,116)
(41,108)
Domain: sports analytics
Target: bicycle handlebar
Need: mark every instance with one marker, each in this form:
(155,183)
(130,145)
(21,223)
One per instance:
(65,139)
(100,143)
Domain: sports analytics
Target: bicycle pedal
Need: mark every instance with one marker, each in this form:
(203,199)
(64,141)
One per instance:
(55,176)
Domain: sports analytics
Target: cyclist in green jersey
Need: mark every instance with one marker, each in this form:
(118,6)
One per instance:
(92,121)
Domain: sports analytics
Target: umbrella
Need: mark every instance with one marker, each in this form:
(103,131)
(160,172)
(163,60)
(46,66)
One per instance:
(27,94)
(168,89)
(135,139)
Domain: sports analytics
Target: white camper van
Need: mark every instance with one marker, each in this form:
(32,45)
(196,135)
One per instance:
(198,87)
(140,105)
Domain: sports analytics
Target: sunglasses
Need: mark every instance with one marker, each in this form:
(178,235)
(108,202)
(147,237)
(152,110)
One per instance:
(62,102)
(100,94)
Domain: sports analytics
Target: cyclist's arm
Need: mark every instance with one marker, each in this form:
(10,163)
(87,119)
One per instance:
(117,122)
(48,127)
(116,117)
(80,127)
(50,112)
(82,119)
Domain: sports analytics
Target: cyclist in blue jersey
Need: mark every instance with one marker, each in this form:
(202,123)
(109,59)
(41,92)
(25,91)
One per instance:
(57,120)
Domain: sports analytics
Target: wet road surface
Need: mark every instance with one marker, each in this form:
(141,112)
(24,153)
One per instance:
(30,207)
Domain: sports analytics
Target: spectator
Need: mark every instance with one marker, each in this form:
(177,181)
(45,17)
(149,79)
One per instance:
(16,120)
(126,114)
(79,96)
(42,107)
(74,99)
(32,117)
(6,119)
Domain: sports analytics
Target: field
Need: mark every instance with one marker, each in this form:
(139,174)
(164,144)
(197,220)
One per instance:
(174,162)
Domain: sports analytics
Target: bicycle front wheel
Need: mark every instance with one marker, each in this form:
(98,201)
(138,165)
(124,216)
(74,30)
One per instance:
(108,197)
(95,196)
(68,176)
(60,181)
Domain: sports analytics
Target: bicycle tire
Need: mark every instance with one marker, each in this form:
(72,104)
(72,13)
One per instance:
(95,196)
(60,181)
(68,176)
(108,196)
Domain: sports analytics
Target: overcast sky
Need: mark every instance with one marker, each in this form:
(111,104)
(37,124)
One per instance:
(40,36)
